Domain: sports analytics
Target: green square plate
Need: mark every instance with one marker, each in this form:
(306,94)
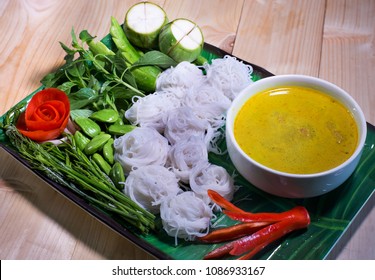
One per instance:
(331,214)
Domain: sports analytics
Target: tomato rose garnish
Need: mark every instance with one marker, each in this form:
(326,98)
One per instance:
(46,115)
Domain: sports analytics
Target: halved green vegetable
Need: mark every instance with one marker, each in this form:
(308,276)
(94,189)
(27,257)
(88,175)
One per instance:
(105,115)
(143,23)
(182,40)
(103,165)
(88,126)
(117,175)
(81,140)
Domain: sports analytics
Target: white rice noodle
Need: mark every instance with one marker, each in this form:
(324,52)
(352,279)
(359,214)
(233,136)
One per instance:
(150,185)
(142,146)
(207,101)
(149,110)
(185,216)
(184,75)
(176,92)
(182,123)
(230,74)
(205,176)
(185,155)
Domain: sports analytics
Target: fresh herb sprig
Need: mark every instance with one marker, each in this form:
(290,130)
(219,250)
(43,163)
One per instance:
(91,80)
(100,77)
(67,165)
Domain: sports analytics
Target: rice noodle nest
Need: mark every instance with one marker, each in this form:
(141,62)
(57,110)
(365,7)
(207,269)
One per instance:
(185,155)
(205,176)
(150,185)
(142,146)
(185,216)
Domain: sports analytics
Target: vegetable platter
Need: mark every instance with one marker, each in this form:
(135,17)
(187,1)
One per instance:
(331,214)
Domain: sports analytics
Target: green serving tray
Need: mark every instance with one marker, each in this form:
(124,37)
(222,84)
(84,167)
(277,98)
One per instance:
(331,214)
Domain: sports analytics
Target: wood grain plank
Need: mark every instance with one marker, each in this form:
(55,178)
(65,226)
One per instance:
(100,242)
(348,60)
(217,19)
(282,36)
(348,52)
(30,46)
(32,211)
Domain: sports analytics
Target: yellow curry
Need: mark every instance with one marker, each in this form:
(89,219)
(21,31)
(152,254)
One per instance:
(296,130)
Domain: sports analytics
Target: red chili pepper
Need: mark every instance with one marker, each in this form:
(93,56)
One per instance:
(222,202)
(272,226)
(252,244)
(263,217)
(271,233)
(232,232)
(220,251)
(46,115)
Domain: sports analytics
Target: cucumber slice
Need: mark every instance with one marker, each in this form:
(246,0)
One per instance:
(182,40)
(143,23)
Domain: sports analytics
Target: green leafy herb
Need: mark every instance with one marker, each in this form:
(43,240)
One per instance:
(155,58)
(69,166)
(82,98)
(80,78)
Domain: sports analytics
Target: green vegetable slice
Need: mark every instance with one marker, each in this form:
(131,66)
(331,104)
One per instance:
(143,22)
(182,40)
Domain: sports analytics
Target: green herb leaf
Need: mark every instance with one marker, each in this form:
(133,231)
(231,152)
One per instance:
(122,105)
(85,36)
(94,83)
(74,40)
(155,58)
(67,87)
(82,98)
(130,79)
(68,50)
(77,70)
(121,92)
(119,62)
(52,79)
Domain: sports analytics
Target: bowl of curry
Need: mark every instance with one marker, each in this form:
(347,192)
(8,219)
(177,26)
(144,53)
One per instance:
(295,136)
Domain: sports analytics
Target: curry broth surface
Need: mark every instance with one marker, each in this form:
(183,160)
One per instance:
(296,130)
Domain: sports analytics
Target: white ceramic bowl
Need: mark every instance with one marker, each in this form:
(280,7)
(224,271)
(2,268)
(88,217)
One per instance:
(287,184)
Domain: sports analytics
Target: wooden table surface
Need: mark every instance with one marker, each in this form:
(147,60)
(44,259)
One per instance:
(330,39)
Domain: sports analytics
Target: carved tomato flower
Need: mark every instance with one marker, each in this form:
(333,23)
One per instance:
(46,115)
